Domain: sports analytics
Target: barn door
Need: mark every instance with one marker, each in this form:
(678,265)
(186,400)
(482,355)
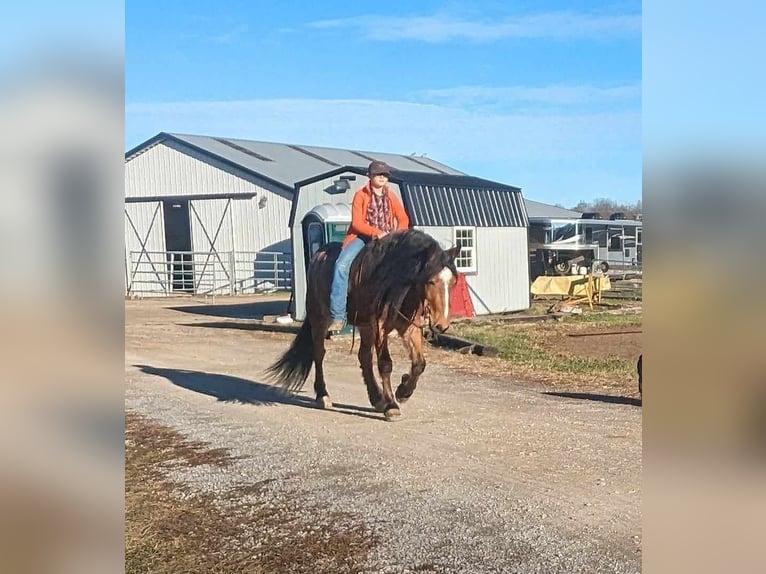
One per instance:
(145,248)
(212,238)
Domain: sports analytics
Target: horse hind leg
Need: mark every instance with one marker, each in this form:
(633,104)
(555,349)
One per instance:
(413,341)
(320,388)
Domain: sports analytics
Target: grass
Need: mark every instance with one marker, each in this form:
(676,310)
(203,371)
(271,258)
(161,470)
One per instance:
(598,319)
(169,528)
(534,346)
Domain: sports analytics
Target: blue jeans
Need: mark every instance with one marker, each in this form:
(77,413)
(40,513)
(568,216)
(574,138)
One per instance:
(339,292)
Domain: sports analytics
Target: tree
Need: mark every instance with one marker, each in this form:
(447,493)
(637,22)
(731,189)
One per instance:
(606,207)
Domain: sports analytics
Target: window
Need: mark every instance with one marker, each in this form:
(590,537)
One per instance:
(315,238)
(630,236)
(638,235)
(465,237)
(615,238)
(563,231)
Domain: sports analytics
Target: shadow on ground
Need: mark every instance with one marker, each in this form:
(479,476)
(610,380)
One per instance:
(269,327)
(235,389)
(251,310)
(596,397)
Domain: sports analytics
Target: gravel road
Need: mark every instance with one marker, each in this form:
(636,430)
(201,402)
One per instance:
(479,476)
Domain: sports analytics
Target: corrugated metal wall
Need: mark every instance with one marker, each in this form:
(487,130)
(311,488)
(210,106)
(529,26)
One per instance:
(167,172)
(501,281)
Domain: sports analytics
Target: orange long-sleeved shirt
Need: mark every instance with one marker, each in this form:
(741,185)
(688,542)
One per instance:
(359,206)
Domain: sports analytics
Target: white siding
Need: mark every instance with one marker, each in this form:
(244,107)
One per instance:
(257,228)
(164,171)
(501,281)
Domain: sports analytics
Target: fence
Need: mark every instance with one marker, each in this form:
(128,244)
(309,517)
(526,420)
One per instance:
(158,273)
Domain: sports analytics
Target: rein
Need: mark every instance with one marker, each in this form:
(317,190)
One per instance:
(411,321)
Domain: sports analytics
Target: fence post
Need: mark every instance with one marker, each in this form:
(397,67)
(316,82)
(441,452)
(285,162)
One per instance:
(276,271)
(232,268)
(129,273)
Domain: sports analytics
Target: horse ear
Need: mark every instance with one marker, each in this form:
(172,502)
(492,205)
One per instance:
(454,252)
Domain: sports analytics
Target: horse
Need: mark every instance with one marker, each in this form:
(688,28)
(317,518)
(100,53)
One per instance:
(399,283)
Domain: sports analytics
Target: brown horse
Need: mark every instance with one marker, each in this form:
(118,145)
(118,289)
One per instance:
(399,283)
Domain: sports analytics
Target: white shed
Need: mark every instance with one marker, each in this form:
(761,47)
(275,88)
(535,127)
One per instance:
(488,219)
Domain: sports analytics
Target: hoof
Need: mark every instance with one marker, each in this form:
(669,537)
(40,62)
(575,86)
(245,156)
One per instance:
(393,414)
(324,402)
(399,397)
(402,388)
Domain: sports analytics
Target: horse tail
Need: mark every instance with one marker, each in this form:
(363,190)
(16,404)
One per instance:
(292,369)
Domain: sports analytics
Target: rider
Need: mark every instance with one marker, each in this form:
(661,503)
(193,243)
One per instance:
(375,212)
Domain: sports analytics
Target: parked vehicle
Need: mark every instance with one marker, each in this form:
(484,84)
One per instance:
(564,244)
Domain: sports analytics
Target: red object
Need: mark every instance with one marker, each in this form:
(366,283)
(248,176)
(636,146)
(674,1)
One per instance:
(460,304)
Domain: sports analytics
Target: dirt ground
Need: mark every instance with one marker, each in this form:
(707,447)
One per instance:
(487,472)
(621,342)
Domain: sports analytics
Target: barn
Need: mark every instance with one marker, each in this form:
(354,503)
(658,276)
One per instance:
(488,219)
(209,215)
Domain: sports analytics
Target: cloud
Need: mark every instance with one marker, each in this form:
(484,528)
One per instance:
(556,95)
(443,132)
(442,28)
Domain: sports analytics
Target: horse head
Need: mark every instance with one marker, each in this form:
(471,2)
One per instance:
(437,293)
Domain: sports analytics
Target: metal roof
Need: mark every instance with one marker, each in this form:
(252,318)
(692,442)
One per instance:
(537,210)
(454,200)
(284,164)
(446,200)
(288,166)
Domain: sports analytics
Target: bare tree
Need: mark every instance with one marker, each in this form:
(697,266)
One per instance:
(606,207)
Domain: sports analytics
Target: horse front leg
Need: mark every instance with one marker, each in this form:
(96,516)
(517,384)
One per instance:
(320,388)
(413,341)
(385,366)
(367,340)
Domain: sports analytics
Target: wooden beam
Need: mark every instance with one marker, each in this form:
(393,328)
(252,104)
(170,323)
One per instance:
(464,345)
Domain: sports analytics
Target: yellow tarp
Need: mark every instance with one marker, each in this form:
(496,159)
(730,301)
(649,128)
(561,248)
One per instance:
(569,285)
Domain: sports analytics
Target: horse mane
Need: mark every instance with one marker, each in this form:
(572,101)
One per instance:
(392,268)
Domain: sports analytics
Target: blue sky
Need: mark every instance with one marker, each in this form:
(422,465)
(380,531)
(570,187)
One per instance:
(542,95)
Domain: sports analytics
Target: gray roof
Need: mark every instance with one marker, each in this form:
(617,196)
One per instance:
(285,164)
(288,164)
(537,210)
